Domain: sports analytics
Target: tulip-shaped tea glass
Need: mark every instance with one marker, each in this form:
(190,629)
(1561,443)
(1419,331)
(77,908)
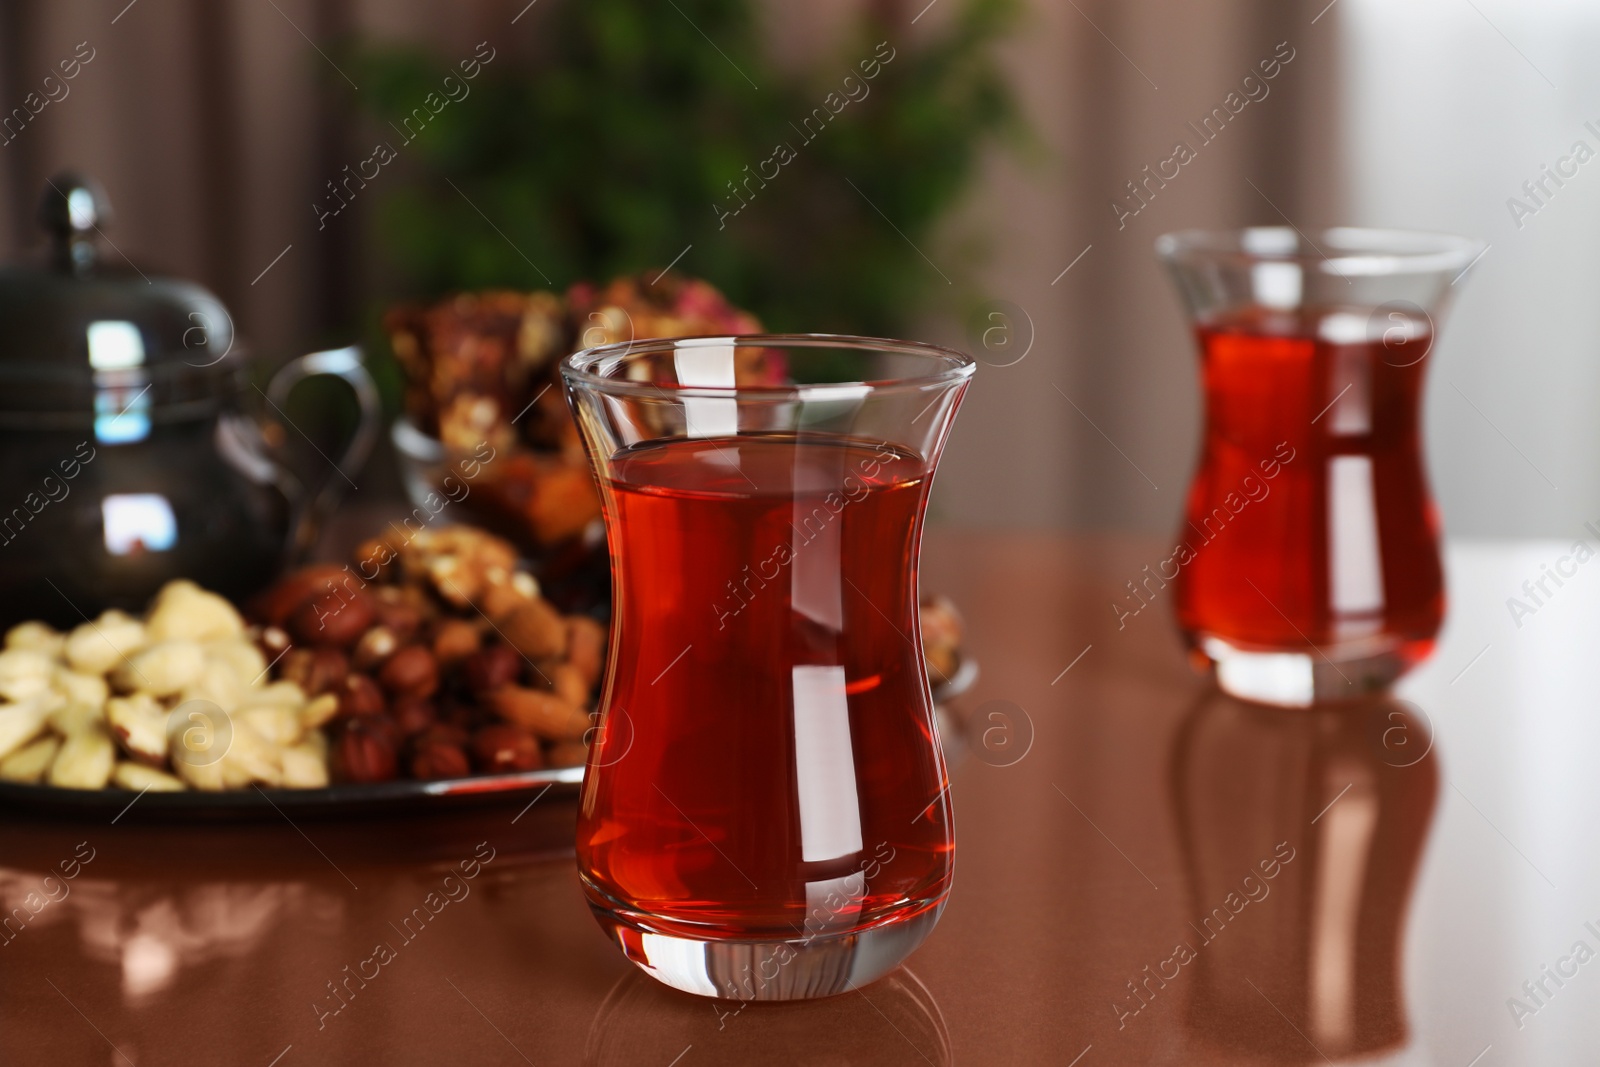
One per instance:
(1308,567)
(763,814)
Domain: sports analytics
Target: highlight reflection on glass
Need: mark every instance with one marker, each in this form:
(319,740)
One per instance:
(1308,567)
(775,827)
(1301,837)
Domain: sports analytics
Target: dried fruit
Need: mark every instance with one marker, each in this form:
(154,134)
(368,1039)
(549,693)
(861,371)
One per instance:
(586,647)
(545,714)
(536,630)
(454,640)
(568,683)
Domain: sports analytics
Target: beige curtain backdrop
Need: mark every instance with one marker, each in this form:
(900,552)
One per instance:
(214,123)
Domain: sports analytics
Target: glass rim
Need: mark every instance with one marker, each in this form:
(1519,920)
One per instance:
(1347,251)
(579,368)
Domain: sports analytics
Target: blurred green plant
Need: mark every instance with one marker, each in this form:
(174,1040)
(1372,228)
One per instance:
(611,146)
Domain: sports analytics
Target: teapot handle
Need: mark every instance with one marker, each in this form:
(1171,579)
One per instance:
(343,363)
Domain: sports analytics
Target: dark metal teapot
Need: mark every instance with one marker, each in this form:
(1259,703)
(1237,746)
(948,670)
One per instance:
(128,452)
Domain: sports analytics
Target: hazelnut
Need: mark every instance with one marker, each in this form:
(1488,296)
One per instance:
(434,760)
(375,646)
(363,752)
(546,714)
(337,618)
(454,640)
(359,696)
(412,671)
(314,670)
(493,667)
(586,647)
(412,715)
(503,748)
(536,630)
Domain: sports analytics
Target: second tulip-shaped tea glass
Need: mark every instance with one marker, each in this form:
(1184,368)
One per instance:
(763,814)
(1308,566)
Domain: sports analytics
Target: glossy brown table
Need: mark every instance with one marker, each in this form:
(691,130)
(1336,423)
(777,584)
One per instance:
(1148,872)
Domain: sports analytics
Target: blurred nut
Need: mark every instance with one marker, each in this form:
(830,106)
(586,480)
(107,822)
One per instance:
(363,752)
(304,767)
(140,779)
(443,734)
(545,714)
(274,641)
(412,715)
(568,683)
(85,761)
(567,754)
(492,668)
(25,672)
(287,693)
(184,611)
(81,688)
(586,648)
(503,748)
(36,636)
(244,659)
(140,724)
(314,670)
(160,670)
(536,630)
(498,601)
(454,640)
(359,696)
(336,618)
(433,760)
(319,711)
(28,763)
(411,671)
(279,602)
(398,614)
(374,560)
(96,647)
(375,646)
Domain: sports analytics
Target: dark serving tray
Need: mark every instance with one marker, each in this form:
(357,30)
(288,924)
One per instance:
(337,801)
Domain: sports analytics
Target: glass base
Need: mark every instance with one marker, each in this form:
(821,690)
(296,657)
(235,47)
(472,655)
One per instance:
(1301,679)
(800,968)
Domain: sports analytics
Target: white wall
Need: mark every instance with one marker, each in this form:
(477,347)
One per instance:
(1448,110)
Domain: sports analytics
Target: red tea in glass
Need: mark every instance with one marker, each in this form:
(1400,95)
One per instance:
(763,815)
(1308,566)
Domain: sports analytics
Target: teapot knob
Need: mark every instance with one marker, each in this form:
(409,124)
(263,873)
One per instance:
(74,208)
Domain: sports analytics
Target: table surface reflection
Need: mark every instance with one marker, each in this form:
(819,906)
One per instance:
(1148,872)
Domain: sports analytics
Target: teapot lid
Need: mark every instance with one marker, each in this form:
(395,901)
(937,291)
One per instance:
(89,330)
